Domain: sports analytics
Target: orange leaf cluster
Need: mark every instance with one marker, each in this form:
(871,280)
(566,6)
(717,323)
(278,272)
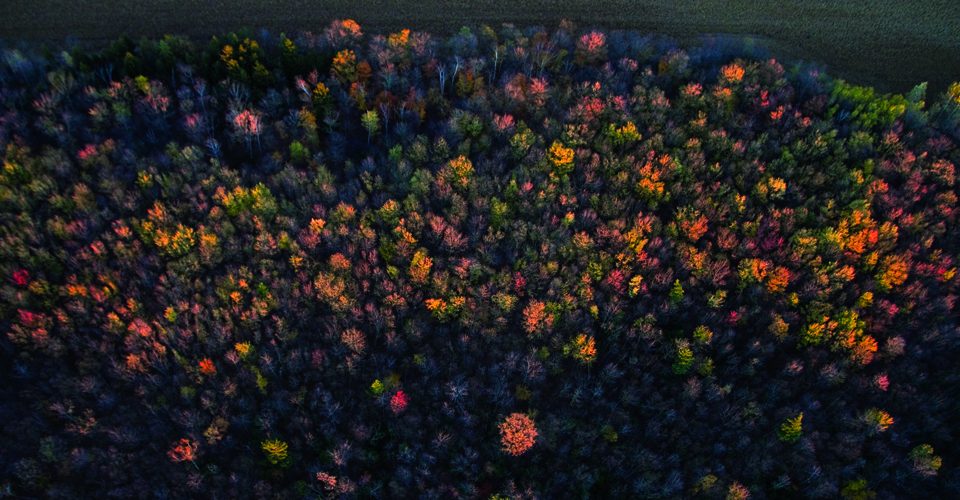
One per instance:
(207,367)
(778,279)
(399,39)
(534,316)
(879,419)
(348,26)
(460,169)
(585,348)
(692,223)
(893,272)
(560,156)
(345,65)
(518,433)
(444,310)
(317,225)
(420,266)
(732,72)
(184,450)
(862,349)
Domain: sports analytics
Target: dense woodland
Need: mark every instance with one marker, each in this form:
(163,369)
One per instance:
(501,264)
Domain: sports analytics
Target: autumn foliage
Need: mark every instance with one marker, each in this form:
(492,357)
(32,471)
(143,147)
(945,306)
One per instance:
(518,434)
(398,402)
(351,264)
(183,451)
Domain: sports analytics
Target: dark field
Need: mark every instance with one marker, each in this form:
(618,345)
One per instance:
(892,44)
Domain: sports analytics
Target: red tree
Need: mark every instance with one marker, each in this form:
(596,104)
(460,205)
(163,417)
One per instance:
(398,402)
(518,433)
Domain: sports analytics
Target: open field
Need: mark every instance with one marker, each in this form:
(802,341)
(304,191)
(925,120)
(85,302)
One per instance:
(892,44)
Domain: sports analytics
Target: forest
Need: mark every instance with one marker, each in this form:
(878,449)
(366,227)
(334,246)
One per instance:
(504,263)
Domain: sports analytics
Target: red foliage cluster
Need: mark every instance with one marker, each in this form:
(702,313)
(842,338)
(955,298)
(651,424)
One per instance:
(535,317)
(518,433)
(247,122)
(183,451)
(328,481)
(207,367)
(21,277)
(398,402)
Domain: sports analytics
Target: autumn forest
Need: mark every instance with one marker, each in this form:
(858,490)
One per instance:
(503,263)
